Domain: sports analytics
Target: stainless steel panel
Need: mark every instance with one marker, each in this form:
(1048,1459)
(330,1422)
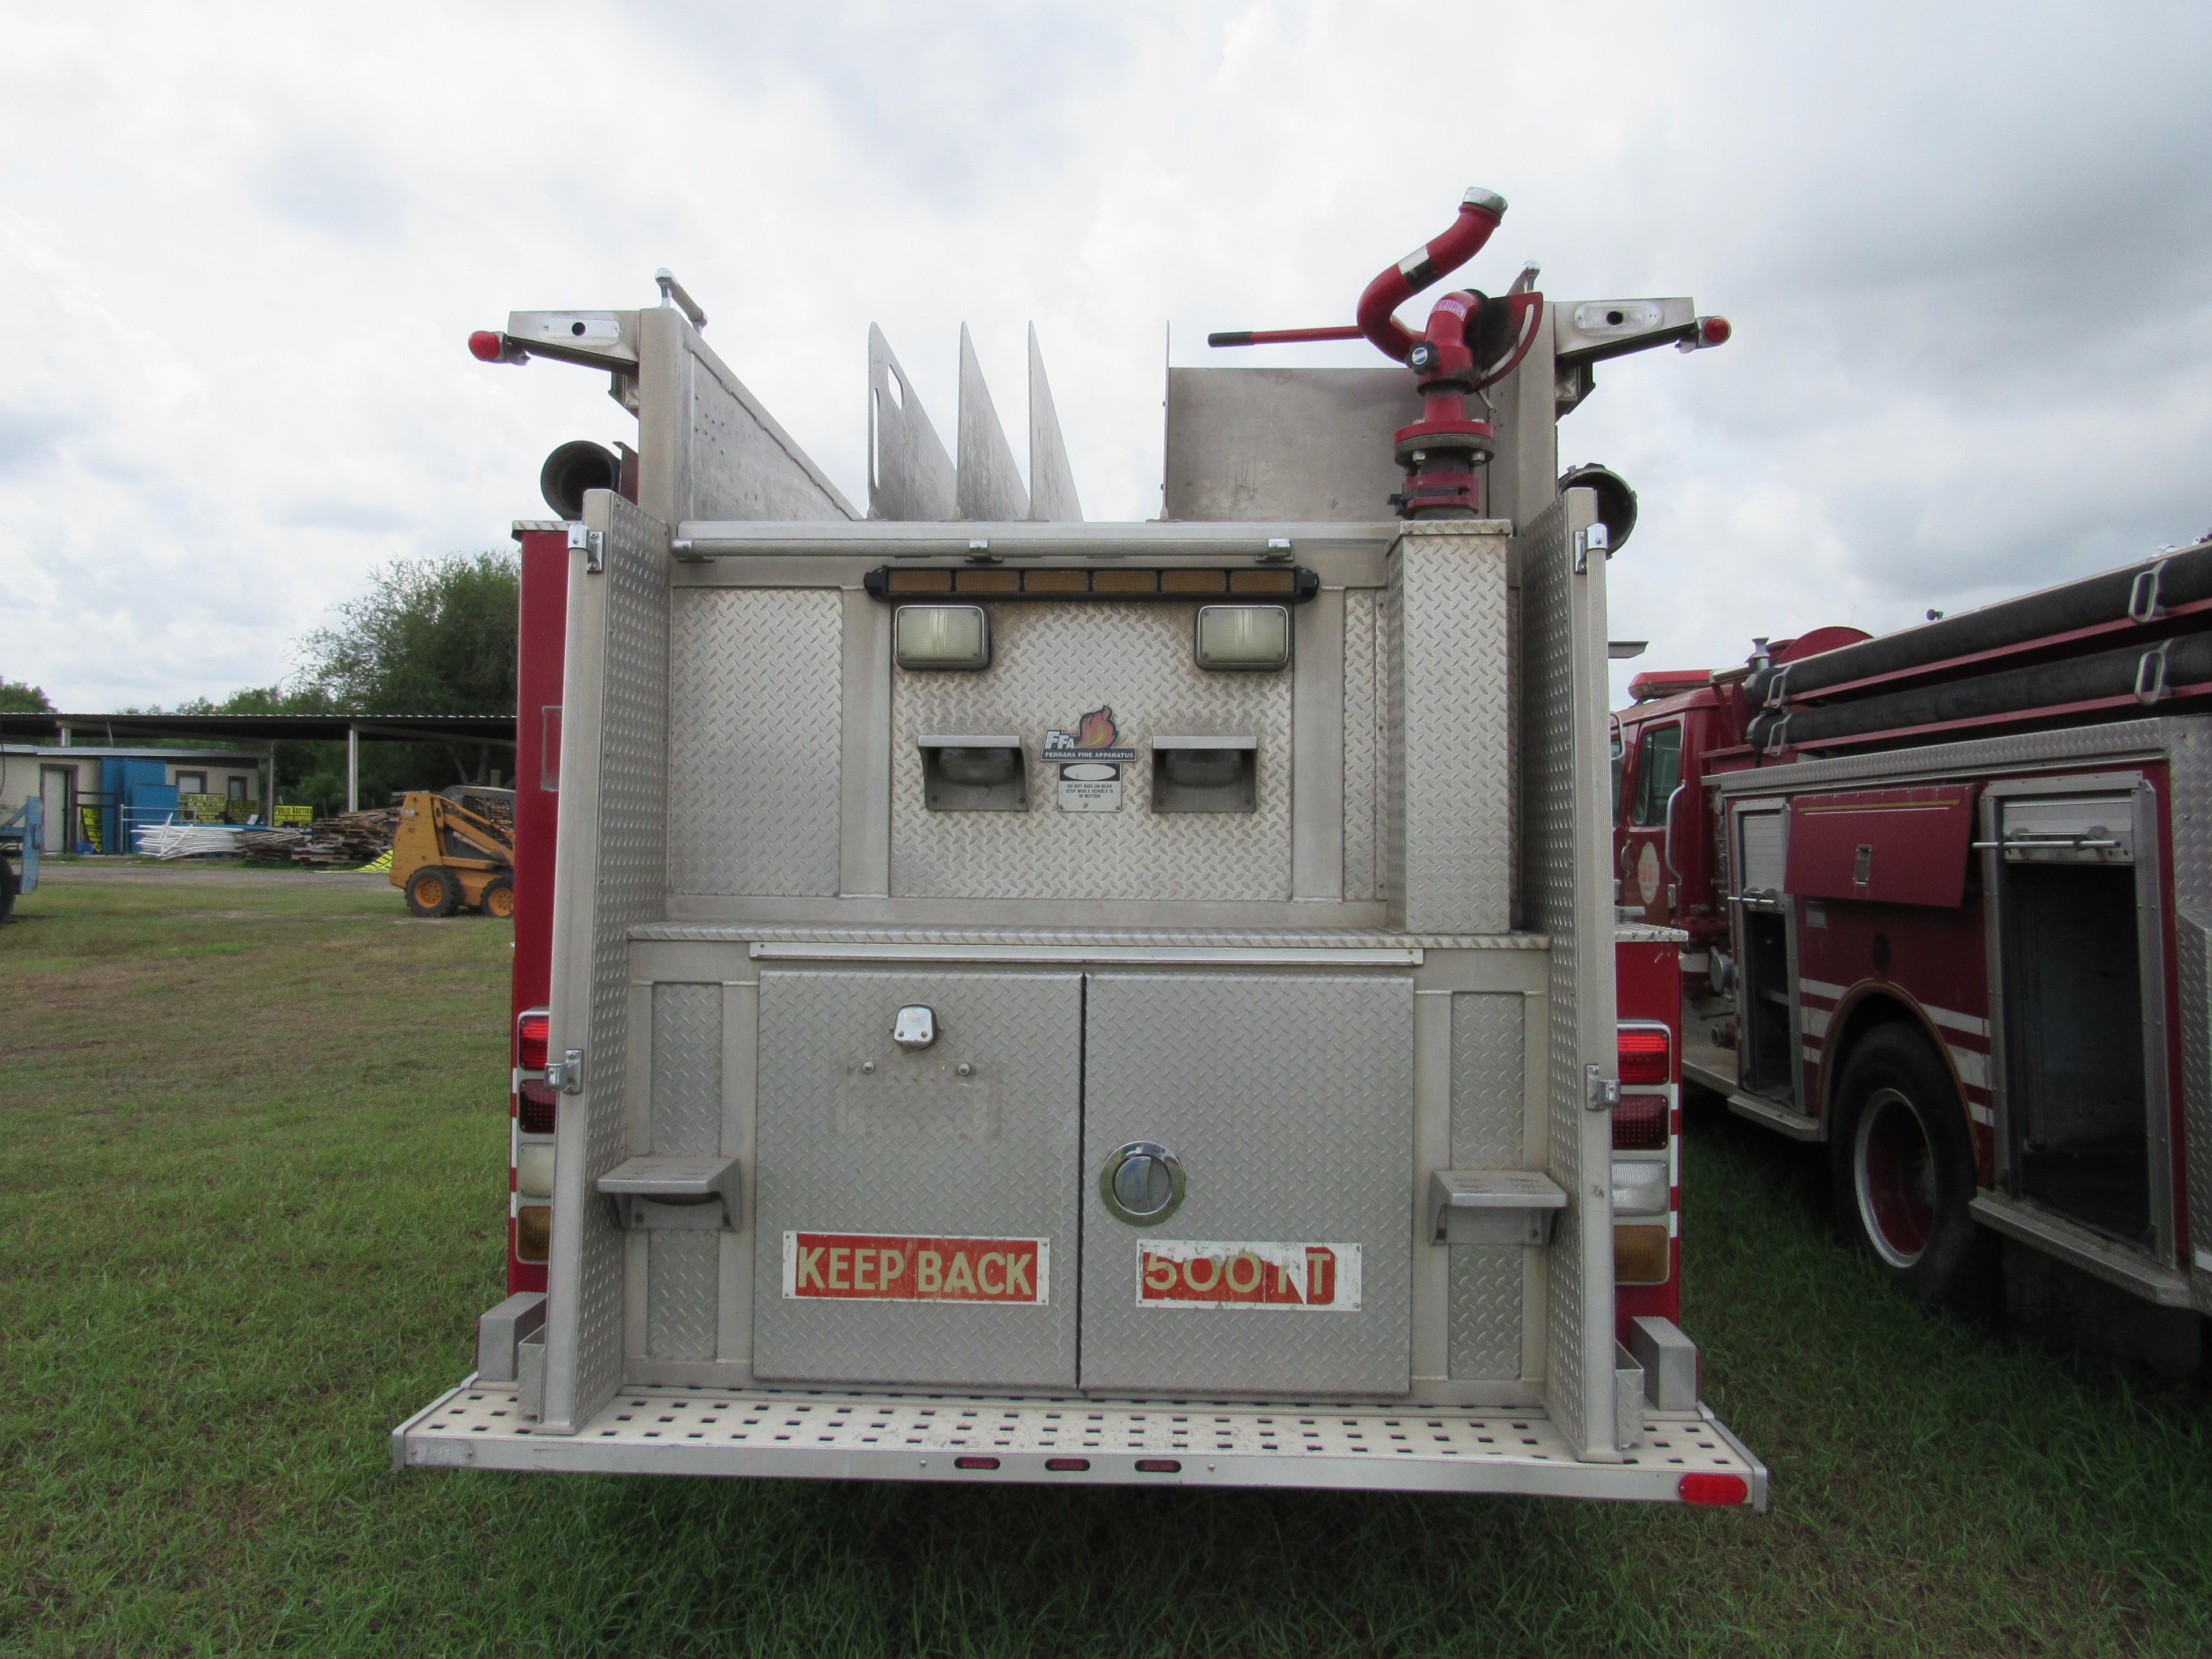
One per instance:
(909,474)
(1052,480)
(856,1135)
(1288,1099)
(1055,662)
(1485,1312)
(1390,709)
(682,1298)
(988,484)
(686,1068)
(754,741)
(1488,1073)
(612,877)
(1285,443)
(2190,808)
(1268,938)
(1447,680)
(1565,870)
(1363,743)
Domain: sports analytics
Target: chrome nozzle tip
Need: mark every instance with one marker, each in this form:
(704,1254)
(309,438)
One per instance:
(1477,196)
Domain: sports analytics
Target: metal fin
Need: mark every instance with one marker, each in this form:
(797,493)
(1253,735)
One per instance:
(1051,482)
(909,474)
(990,486)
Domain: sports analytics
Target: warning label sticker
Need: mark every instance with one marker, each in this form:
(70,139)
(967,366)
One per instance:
(900,1267)
(1090,787)
(1194,1274)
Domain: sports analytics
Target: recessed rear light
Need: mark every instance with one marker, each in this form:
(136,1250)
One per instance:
(1713,1489)
(535,1108)
(1644,1052)
(974,1462)
(1639,1123)
(1158,1466)
(1068,1465)
(531,1032)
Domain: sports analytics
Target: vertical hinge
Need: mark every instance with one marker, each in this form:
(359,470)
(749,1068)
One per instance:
(594,544)
(1604,1092)
(1592,539)
(567,1073)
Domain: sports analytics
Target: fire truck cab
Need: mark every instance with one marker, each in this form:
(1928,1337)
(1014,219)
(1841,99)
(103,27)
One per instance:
(1007,997)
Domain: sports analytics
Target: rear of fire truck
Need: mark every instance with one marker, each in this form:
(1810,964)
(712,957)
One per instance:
(1028,999)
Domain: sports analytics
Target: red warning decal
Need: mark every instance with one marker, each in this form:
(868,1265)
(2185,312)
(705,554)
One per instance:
(1175,1272)
(902,1268)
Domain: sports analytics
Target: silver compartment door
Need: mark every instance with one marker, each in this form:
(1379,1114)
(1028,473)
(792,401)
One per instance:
(1288,1100)
(859,1135)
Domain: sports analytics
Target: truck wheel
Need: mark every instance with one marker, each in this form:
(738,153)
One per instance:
(433,891)
(1903,1167)
(8,883)
(498,901)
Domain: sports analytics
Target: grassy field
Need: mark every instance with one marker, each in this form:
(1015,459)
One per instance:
(251,1174)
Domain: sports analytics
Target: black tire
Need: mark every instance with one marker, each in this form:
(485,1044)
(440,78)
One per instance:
(7,886)
(434,890)
(1902,1166)
(498,900)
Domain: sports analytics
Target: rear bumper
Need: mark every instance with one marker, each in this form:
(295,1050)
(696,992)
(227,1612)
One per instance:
(856,1435)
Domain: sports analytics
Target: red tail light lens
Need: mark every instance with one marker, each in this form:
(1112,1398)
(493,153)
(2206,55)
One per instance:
(1713,1489)
(1158,1466)
(974,1462)
(1068,1465)
(486,346)
(1714,331)
(1645,1051)
(1639,1123)
(531,1032)
(535,1108)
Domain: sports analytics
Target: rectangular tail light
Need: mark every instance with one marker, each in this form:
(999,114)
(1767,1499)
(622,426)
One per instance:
(1640,1255)
(1646,1056)
(531,1030)
(534,1232)
(536,1108)
(1639,1124)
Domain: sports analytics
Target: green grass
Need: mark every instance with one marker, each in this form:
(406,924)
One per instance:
(251,1173)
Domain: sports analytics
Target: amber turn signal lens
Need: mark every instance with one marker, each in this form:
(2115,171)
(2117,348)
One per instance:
(534,1232)
(1639,1255)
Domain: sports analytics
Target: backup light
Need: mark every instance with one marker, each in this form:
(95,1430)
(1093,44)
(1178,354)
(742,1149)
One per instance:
(1645,1052)
(1253,638)
(942,636)
(533,1172)
(531,1032)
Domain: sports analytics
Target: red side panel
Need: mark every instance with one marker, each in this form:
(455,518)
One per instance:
(1887,846)
(537,776)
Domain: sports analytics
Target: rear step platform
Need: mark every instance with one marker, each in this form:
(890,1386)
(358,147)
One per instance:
(855,1435)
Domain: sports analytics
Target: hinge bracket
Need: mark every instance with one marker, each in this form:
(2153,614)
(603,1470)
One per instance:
(1591,538)
(1604,1092)
(567,1073)
(593,543)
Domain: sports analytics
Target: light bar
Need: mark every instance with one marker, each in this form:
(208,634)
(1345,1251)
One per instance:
(1291,584)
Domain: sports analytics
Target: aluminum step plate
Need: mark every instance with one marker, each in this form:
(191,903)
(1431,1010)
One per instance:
(849,1434)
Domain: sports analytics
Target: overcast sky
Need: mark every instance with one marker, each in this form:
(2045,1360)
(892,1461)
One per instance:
(1968,250)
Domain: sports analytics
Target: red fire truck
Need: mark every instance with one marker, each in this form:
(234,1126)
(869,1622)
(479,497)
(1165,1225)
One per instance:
(1946,893)
(999,997)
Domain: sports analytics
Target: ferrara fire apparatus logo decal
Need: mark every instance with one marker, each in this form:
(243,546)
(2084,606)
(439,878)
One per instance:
(1096,738)
(1176,1273)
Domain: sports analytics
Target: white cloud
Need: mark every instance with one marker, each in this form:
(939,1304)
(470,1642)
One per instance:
(1967,248)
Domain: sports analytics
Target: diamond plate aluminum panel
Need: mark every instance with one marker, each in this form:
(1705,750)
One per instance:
(1390,704)
(857,1134)
(1289,1100)
(756,710)
(1486,1311)
(1488,1066)
(1565,868)
(1362,739)
(682,1298)
(1052,664)
(740,933)
(686,1068)
(617,748)
(2189,813)
(1447,689)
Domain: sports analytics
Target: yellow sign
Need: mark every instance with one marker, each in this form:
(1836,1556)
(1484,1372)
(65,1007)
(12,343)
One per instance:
(203,809)
(291,815)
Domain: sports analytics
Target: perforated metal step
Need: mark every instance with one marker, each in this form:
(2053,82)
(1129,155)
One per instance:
(856,1435)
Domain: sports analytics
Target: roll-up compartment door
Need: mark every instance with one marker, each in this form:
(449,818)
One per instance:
(1277,1110)
(918,1145)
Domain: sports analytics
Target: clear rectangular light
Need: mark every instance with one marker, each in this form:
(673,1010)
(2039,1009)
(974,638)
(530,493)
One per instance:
(533,1171)
(1252,637)
(944,636)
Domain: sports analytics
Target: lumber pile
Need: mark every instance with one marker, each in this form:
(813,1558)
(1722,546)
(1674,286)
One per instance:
(347,840)
(269,846)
